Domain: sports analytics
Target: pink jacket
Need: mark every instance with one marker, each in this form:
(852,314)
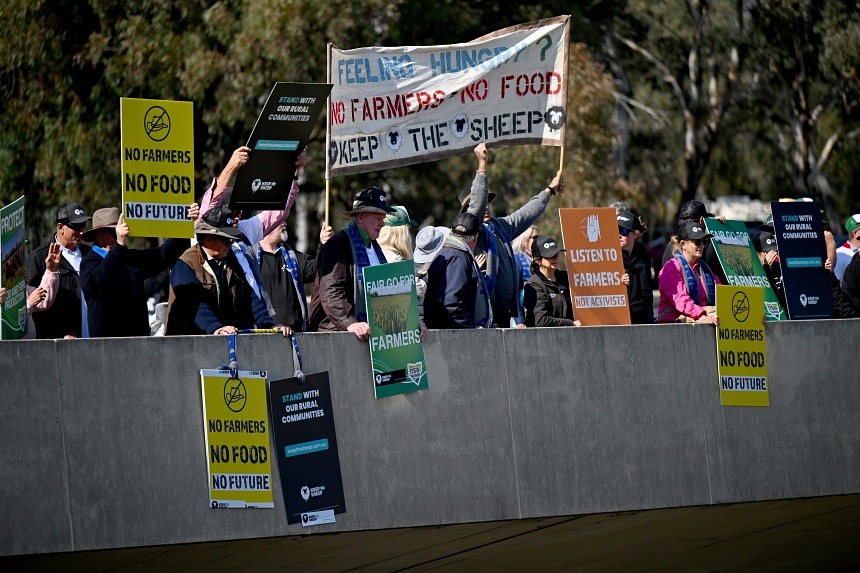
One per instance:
(50,282)
(674,299)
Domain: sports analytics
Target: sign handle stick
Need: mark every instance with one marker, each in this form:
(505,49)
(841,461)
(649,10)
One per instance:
(327,188)
(327,132)
(561,160)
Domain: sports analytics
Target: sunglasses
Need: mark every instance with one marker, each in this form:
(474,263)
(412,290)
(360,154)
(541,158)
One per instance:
(697,242)
(75,226)
(625,232)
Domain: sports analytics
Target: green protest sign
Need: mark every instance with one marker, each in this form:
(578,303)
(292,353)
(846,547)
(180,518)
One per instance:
(14,309)
(395,345)
(741,264)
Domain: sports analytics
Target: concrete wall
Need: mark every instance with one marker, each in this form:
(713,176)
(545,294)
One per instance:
(102,446)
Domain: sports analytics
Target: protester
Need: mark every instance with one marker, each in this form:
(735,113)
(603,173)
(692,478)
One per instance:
(687,284)
(209,293)
(842,307)
(637,269)
(112,275)
(395,238)
(523,250)
(850,289)
(696,212)
(504,280)
(338,300)
(546,300)
(457,295)
(42,297)
(428,243)
(284,272)
(846,251)
(766,248)
(67,317)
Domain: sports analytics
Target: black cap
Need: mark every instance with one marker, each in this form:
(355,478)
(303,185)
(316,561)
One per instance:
(627,220)
(369,200)
(219,222)
(692,230)
(465,225)
(72,213)
(765,242)
(544,247)
(693,211)
(463,198)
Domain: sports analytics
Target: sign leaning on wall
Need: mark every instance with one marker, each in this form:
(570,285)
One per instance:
(236,426)
(14,310)
(396,350)
(741,349)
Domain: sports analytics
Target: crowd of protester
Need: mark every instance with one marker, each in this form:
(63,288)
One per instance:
(484,271)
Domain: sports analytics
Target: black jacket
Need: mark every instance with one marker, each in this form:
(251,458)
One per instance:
(279,285)
(113,286)
(639,294)
(851,290)
(64,316)
(547,303)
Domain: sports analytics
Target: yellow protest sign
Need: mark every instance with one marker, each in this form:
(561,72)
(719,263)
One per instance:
(236,420)
(157,140)
(741,353)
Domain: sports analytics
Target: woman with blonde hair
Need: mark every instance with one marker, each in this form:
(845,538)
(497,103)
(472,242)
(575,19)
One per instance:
(523,250)
(687,284)
(395,238)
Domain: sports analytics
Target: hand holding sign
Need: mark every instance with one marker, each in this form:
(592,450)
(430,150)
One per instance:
(121,230)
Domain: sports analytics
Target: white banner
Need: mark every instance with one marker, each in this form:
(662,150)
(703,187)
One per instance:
(397,106)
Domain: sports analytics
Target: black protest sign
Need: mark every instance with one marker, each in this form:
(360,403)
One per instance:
(279,136)
(802,253)
(306,447)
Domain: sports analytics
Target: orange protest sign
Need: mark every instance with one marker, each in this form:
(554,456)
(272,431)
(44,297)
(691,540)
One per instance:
(594,266)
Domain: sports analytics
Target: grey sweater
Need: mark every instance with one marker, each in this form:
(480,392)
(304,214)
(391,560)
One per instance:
(502,267)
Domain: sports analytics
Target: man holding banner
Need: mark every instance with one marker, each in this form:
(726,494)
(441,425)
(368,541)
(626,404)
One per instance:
(502,271)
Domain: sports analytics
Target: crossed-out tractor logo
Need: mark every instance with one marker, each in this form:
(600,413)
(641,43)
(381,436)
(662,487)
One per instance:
(156,123)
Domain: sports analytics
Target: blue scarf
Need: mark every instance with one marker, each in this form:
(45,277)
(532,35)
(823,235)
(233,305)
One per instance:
(693,281)
(359,255)
(292,265)
(492,254)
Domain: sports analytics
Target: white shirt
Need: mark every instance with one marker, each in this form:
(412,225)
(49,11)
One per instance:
(74,258)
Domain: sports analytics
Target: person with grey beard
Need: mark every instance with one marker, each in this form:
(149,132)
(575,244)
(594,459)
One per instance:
(284,272)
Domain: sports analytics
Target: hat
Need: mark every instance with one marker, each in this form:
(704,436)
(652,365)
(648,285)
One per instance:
(71,213)
(764,242)
(692,230)
(463,197)
(628,220)
(399,217)
(544,247)
(767,226)
(428,242)
(218,222)
(370,200)
(693,211)
(852,223)
(465,225)
(106,218)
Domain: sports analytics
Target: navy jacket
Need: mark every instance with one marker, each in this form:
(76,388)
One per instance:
(113,286)
(452,291)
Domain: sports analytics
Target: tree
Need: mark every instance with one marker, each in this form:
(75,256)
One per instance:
(806,53)
(695,50)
